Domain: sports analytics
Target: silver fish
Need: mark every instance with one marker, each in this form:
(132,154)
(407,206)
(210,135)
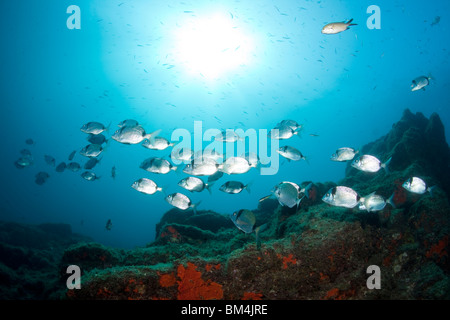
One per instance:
(235,165)
(194,184)
(216,176)
(181,201)
(132,135)
(290,123)
(93,127)
(336,27)
(372,202)
(370,163)
(282,132)
(252,158)
(91,150)
(208,154)
(341,196)
(157,165)
(90,176)
(417,185)
(287,194)
(420,83)
(181,154)
(233,187)
(227,136)
(344,154)
(291,153)
(24,162)
(146,186)
(201,168)
(157,143)
(74,166)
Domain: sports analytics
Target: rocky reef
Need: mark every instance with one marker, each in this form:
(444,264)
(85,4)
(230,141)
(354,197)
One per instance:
(315,252)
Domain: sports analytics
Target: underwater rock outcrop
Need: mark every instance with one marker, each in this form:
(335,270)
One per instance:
(315,252)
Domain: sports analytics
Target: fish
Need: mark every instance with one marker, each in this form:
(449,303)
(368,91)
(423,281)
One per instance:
(290,123)
(201,168)
(146,186)
(291,153)
(93,127)
(216,176)
(181,201)
(282,132)
(342,196)
(92,162)
(245,221)
(228,136)
(208,154)
(113,172)
(29,141)
(234,187)
(61,167)
(132,135)
(181,154)
(436,20)
(195,184)
(96,138)
(41,177)
(108,225)
(157,143)
(372,202)
(25,152)
(157,165)
(50,160)
(344,154)
(128,123)
(74,166)
(72,155)
(368,163)
(90,176)
(420,83)
(235,165)
(252,158)
(337,27)
(287,194)
(24,162)
(417,185)
(91,150)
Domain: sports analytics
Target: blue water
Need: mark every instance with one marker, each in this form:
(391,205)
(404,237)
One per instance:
(136,60)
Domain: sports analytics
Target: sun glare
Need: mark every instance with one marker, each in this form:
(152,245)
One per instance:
(212,46)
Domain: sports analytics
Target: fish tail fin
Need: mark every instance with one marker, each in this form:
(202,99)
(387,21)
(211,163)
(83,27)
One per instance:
(391,201)
(306,158)
(195,205)
(208,187)
(151,136)
(108,127)
(258,230)
(385,165)
(298,203)
(247,187)
(430,190)
(349,23)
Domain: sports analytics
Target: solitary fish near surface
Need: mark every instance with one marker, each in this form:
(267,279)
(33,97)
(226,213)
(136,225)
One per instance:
(341,196)
(420,83)
(336,27)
